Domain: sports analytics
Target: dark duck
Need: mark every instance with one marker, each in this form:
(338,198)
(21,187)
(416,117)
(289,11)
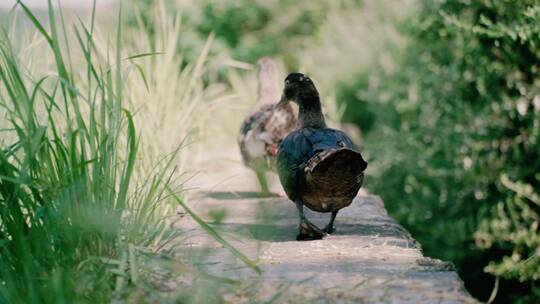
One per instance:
(319,167)
(264,129)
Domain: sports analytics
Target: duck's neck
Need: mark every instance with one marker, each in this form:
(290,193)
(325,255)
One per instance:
(310,113)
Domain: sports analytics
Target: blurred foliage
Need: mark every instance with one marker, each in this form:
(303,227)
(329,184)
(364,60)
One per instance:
(516,226)
(252,29)
(456,138)
(246,30)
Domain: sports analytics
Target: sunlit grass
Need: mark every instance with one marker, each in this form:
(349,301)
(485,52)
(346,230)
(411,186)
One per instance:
(182,102)
(71,209)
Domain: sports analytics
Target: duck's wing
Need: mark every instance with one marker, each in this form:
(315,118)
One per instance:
(293,153)
(251,135)
(325,139)
(299,146)
(280,123)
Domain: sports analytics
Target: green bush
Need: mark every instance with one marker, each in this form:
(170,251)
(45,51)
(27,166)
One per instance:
(456,132)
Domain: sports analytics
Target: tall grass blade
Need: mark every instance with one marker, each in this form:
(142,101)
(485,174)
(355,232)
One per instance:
(213,233)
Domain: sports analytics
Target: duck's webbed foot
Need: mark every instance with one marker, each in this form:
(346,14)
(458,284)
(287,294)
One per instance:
(330,227)
(306,230)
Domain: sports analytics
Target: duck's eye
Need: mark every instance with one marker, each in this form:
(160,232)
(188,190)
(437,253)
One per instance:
(287,81)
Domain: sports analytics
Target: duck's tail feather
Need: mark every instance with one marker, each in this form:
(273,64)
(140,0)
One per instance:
(344,166)
(332,179)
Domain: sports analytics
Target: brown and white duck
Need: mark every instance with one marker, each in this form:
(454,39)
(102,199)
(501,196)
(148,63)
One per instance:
(264,129)
(319,167)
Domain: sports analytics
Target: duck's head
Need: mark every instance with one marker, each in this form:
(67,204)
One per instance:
(300,89)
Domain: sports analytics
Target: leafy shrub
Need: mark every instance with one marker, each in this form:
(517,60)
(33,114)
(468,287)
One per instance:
(456,134)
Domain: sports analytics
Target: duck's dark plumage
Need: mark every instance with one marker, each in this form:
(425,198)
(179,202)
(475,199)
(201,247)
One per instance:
(300,145)
(302,151)
(318,167)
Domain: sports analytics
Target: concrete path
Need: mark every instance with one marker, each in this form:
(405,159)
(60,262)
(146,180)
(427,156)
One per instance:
(369,259)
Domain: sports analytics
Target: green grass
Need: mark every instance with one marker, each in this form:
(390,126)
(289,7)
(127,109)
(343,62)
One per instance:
(66,175)
(83,215)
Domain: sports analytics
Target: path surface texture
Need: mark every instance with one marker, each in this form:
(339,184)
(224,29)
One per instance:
(369,259)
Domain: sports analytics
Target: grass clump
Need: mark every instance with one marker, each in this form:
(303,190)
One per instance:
(75,221)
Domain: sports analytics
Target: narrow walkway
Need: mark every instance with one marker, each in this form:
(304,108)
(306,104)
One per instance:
(369,259)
